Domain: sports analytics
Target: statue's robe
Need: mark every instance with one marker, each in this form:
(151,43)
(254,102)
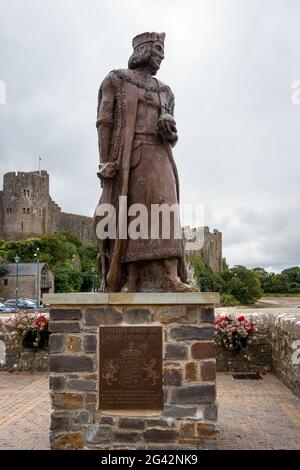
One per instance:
(138,164)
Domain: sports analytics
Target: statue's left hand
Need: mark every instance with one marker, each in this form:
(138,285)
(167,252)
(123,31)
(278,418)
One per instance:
(167,128)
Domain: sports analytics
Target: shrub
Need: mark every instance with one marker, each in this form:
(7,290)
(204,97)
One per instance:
(227,300)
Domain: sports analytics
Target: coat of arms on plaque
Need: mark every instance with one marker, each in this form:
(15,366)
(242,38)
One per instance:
(130,369)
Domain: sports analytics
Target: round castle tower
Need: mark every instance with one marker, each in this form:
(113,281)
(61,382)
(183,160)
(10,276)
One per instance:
(25,204)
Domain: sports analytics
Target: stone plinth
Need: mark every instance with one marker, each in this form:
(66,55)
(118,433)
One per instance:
(188,416)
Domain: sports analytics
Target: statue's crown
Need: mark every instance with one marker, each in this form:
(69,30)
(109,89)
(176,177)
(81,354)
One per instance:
(148,37)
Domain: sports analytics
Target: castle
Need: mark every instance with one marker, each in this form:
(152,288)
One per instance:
(201,242)
(27,210)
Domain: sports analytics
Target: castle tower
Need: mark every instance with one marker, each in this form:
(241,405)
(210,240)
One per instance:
(212,249)
(25,204)
(208,246)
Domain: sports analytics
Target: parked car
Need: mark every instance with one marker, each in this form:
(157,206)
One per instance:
(5,309)
(22,304)
(34,301)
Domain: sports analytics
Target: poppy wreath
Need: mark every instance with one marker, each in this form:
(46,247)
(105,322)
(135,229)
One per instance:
(25,330)
(233,333)
(38,336)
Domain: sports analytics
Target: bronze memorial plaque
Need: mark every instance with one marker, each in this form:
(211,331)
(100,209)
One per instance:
(130,371)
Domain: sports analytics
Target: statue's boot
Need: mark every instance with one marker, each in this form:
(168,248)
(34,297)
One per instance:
(175,285)
(171,282)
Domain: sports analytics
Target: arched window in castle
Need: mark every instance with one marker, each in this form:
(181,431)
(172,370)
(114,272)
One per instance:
(24,210)
(28,211)
(26,192)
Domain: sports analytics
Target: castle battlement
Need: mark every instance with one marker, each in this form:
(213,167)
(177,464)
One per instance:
(27,209)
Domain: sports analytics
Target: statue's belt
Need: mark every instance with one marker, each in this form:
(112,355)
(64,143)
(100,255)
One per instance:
(153,138)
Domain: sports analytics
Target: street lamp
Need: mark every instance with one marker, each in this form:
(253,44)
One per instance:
(37,296)
(93,271)
(17,261)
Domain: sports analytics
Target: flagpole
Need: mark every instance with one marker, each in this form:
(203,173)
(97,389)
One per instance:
(40,165)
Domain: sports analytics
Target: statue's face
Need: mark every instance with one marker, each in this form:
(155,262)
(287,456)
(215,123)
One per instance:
(157,55)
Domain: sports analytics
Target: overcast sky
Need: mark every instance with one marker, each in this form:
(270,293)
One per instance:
(231,65)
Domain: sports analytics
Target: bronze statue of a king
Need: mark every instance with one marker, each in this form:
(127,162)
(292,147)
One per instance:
(136,130)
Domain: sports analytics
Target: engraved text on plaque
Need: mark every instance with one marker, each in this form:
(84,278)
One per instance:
(130,370)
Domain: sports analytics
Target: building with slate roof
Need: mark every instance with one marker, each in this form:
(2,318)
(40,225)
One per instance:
(27,280)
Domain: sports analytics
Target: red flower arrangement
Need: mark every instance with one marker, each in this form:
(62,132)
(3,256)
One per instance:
(24,329)
(233,333)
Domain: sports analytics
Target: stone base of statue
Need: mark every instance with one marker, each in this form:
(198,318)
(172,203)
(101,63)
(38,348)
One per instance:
(132,371)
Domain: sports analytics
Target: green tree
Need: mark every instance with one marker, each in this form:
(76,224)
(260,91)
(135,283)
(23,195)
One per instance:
(248,288)
(280,283)
(70,260)
(265,278)
(238,289)
(206,279)
(67,279)
(293,274)
(3,270)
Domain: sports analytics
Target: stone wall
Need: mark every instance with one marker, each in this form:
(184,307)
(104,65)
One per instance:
(27,360)
(188,418)
(286,350)
(275,347)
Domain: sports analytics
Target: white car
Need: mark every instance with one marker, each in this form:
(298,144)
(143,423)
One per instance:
(5,309)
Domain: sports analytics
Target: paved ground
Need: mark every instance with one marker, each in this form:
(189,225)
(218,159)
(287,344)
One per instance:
(260,414)
(24,410)
(257,414)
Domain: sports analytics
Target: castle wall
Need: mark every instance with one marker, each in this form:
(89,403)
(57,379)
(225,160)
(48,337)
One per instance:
(80,225)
